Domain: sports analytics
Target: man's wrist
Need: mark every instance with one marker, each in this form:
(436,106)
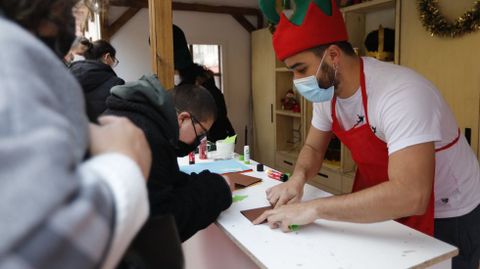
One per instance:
(299,178)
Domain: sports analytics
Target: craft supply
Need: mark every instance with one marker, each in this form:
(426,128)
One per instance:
(259,167)
(246,154)
(274,176)
(191,157)
(202,149)
(224,149)
(240,180)
(273,172)
(252,214)
(238,198)
(284,177)
(219,167)
(294,227)
(270,171)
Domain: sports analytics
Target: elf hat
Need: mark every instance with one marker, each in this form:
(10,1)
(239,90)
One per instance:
(314,23)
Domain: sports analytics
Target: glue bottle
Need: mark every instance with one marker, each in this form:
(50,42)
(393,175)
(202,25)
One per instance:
(246,154)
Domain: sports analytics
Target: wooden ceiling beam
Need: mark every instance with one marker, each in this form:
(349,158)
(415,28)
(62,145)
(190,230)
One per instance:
(215,9)
(104,22)
(244,22)
(129,3)
(236,12)
(122,20)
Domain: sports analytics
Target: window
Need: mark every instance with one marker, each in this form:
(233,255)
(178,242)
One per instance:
(209,56)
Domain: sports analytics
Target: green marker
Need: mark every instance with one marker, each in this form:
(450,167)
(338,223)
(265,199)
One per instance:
(294,227)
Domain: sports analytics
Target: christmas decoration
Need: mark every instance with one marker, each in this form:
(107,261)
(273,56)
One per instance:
(438,25)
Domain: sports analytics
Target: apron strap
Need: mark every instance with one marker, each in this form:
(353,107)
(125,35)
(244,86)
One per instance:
(449,144)
(364,95)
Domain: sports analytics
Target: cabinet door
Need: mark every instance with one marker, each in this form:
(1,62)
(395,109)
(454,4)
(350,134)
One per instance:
(263,88)
(329,180)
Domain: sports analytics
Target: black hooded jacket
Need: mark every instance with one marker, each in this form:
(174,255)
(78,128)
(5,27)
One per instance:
(96,79)
(222,127)
(194,200)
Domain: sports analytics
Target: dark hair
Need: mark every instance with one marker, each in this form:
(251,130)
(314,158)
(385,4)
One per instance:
(196,100)
(182,57)
(98,48)
(29,13)
(191,73)
(345,46)
(81,40)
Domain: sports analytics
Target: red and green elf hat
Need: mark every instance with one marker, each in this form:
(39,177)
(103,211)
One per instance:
(314,23)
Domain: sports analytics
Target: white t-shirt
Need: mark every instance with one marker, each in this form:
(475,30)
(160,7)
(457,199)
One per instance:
(405,109)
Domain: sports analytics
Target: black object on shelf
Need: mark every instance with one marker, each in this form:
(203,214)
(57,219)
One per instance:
(468,135)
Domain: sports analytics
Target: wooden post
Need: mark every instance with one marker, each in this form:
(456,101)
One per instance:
(161,40)
(104,34)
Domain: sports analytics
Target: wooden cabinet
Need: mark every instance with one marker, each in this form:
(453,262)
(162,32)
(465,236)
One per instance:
(263,88)
(361,19)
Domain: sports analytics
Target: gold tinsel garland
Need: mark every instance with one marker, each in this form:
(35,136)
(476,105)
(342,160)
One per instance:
(438,25)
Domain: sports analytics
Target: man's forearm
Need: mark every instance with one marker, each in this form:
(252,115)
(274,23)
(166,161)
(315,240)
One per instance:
(308,164)
(385,201)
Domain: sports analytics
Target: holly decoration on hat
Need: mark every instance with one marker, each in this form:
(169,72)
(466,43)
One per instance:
(268,8)
(313,23)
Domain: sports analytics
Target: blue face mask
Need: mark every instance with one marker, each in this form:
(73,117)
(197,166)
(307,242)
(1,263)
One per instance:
(308,87)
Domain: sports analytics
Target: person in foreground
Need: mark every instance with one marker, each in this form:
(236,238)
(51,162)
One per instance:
(413,164)
(60,210)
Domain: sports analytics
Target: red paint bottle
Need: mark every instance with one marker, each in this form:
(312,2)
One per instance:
(202,149)
(191,157)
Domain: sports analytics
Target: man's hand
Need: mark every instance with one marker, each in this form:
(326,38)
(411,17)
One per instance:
(285,193)
(118,134)
(284,216)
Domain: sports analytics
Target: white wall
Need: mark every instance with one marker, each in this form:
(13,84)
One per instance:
(134,55)
(235,41)
(131,43)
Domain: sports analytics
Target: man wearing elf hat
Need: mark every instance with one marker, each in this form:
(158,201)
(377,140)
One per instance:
(413,165)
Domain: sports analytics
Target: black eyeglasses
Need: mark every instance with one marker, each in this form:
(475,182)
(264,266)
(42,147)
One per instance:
(205,131)
(115,61)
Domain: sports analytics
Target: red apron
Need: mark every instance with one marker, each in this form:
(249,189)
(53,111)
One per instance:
(371,156)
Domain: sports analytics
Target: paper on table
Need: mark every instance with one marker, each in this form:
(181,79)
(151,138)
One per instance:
(242,181)
(219,167)
(230,139)
(252,214)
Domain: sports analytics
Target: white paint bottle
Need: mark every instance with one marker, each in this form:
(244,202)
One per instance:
(246,154)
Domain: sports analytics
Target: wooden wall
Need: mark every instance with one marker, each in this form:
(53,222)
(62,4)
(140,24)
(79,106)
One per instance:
(453,65)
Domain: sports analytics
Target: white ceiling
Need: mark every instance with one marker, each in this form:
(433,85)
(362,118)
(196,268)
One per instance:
(238,3)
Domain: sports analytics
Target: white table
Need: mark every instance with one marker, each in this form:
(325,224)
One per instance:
(233,242)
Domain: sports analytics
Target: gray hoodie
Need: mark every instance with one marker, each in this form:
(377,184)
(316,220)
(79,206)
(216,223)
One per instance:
(52,203)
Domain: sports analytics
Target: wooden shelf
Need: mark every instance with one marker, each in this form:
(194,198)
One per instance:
(288,113)
(282,69)
(333,165)
(369,6)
